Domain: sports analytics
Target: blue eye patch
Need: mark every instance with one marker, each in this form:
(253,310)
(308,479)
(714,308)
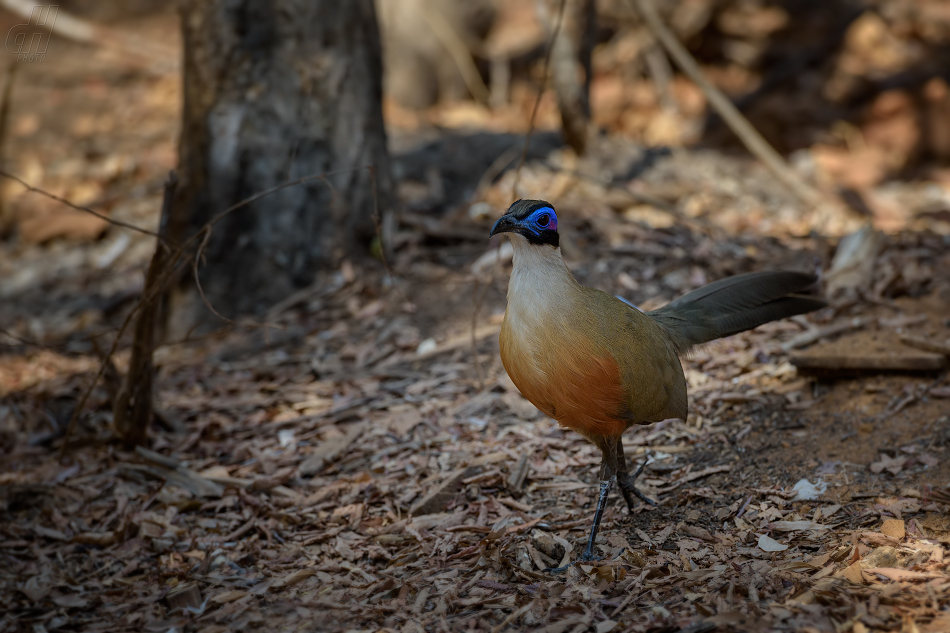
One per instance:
(544,219)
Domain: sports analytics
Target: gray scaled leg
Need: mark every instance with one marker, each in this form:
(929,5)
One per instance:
(608,474)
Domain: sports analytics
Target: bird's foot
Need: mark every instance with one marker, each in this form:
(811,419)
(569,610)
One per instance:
(557,570)
(586,557)
(629,489)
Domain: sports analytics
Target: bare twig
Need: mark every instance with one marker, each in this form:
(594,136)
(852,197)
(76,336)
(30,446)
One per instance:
(206,235)
(501,160)
(537,102)
(749,136)
(497,166)
(816,334)
(132,407)
(457,49)
(92,385)
(662,75)
(171,272)
(926,345)
(573,46)
(52,196)
(205,232)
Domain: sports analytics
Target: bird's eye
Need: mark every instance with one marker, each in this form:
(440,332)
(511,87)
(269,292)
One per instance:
(543,220)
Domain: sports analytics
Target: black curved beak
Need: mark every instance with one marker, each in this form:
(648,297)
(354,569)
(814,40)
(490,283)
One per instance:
(505,224)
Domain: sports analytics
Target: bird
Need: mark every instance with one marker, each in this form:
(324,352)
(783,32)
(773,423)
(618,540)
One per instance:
(598,365)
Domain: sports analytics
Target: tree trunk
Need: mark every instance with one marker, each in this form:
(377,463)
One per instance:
(274,91)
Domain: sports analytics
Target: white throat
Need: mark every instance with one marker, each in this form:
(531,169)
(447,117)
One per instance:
(541,285)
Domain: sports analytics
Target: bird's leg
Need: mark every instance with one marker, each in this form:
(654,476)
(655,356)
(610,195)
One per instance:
(605,485)
(608,474)
(626,481)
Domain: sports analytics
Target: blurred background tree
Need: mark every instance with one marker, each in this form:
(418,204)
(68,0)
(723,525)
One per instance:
(274,92)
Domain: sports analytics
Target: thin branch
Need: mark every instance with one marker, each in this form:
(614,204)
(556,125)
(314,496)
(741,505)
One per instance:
(749,136)
(537,102)
(198,255)
(132,407)
(497,166)
(457,49)
(205,231)
(172,272)
(53,196)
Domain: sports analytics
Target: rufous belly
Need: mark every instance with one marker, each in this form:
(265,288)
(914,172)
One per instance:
(568,381)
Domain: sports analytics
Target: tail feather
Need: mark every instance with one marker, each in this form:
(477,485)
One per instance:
(735,304)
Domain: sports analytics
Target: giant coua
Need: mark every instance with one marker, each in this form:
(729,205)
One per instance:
(599,366)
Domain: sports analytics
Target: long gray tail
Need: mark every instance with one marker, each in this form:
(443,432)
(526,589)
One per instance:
(735,304)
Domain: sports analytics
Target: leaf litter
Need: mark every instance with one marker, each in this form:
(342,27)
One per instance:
(357,470)
(329,486)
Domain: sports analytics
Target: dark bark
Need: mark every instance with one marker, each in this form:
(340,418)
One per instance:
(274,91)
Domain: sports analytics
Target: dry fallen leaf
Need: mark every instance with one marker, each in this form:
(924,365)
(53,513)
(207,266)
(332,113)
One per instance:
(71,601)
(95,538)
(892,465)
(905,574)
(789,526)
(605,626)
(769,544)
(228,596)
(293,578)
(853,573)
(893,528)
(36,588)
(339,393)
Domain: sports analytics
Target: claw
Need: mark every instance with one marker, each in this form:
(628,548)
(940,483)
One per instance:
(628,487)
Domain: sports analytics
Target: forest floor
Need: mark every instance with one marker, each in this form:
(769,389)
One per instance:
(361,461)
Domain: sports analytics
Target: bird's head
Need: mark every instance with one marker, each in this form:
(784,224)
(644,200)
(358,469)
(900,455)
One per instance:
(534,220)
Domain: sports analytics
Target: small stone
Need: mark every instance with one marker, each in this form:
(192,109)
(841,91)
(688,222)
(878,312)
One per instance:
(881,557)
(426,346)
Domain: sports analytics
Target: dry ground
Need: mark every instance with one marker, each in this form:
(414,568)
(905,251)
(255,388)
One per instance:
(329,476)
(355,466)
